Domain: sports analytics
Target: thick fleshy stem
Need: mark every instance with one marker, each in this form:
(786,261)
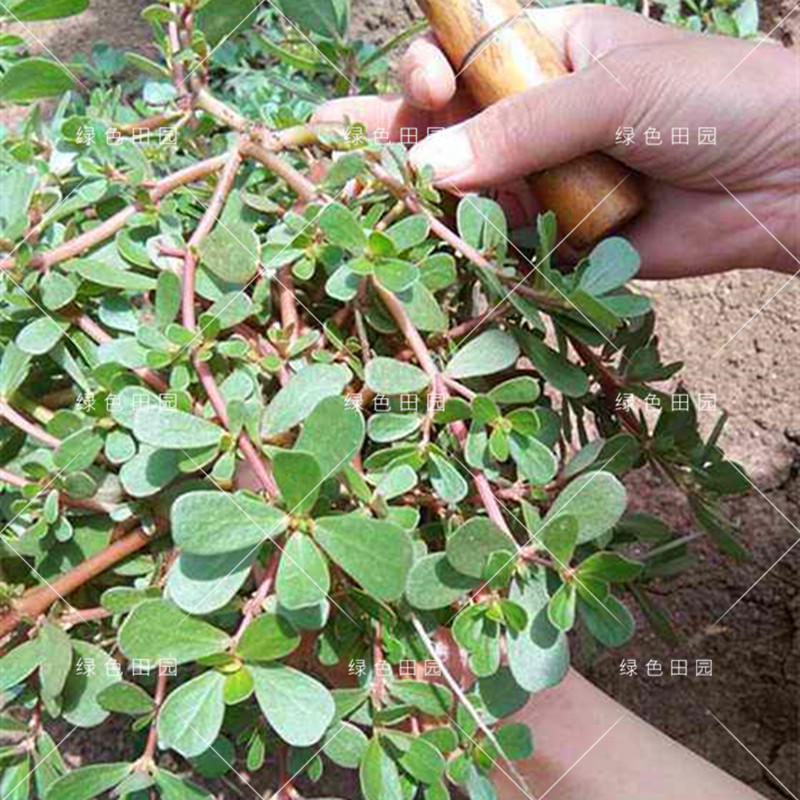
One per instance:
(472,254)
(152,736)
(462,698)
(412,336)
(38,599)
(211,215)
(13,417)
(254,605)
(89,504)
(94,331)
(260,145)
(105,230)
(202,367)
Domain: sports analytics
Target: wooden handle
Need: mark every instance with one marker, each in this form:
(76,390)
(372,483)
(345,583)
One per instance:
(498,52)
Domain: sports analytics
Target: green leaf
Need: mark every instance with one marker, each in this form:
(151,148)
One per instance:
(57,290)
(174,788)
(40,336)
(396,275)
(303,578)
(423,309)
(610,622)
(376,554)
(34,78)
(378,775)
(446,480)
(89,782)
(345,745)
(491,352)
(482,222)
(57,650)
(559,539)
(15,783)
(80,704)
(18,664)
(299,478)
(125,698)
(609,567)
(219,19)
(333,434)
(537,463)
(469,548)
(418,758)
(437,791)
(168,297)
(231,252)
(429,698)
(485,410)
(397,481)
(171,429)
(389,376)
(596,310)
(722,533)
(114,277)
(501,694)
(561,610)
(438,272)
(198,517)
(515,741)
(409,232)
(298,399)
(191,716)
(268,638)
(158,630)
(434,583)
(612,263)
(746,17)
(517,390)
(325,17)
(39,10)
(13,369)
(597,500)
(77,451)
(203,584)
(388,427)
(297,707)
(239,686)
(554,368)
(343,228)
(149,471)
(538,656)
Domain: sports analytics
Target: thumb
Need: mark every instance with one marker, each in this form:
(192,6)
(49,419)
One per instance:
(531,131)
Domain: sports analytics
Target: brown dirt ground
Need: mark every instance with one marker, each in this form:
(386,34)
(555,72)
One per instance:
(755,649)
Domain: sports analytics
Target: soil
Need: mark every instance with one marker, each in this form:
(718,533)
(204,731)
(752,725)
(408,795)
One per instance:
(755,648)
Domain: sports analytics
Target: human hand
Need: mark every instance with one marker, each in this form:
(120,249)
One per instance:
(709,208)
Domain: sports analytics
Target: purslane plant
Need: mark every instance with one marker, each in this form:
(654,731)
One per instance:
(299,460)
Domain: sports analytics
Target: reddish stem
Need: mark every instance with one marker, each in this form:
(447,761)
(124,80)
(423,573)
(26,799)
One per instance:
(37,600)
(26,426)
(211,215)
(158,701)
(12,479)
(215,397)
(401,318)
(302,186)
(254,605)
(105,230)
(94,331)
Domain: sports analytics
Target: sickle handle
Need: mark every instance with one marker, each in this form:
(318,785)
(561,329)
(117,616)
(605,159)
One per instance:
(498,52)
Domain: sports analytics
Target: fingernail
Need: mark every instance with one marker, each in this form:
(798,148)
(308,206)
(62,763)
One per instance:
(449,153)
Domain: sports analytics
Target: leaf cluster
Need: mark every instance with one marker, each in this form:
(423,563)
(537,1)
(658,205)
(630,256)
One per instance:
(279,415)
